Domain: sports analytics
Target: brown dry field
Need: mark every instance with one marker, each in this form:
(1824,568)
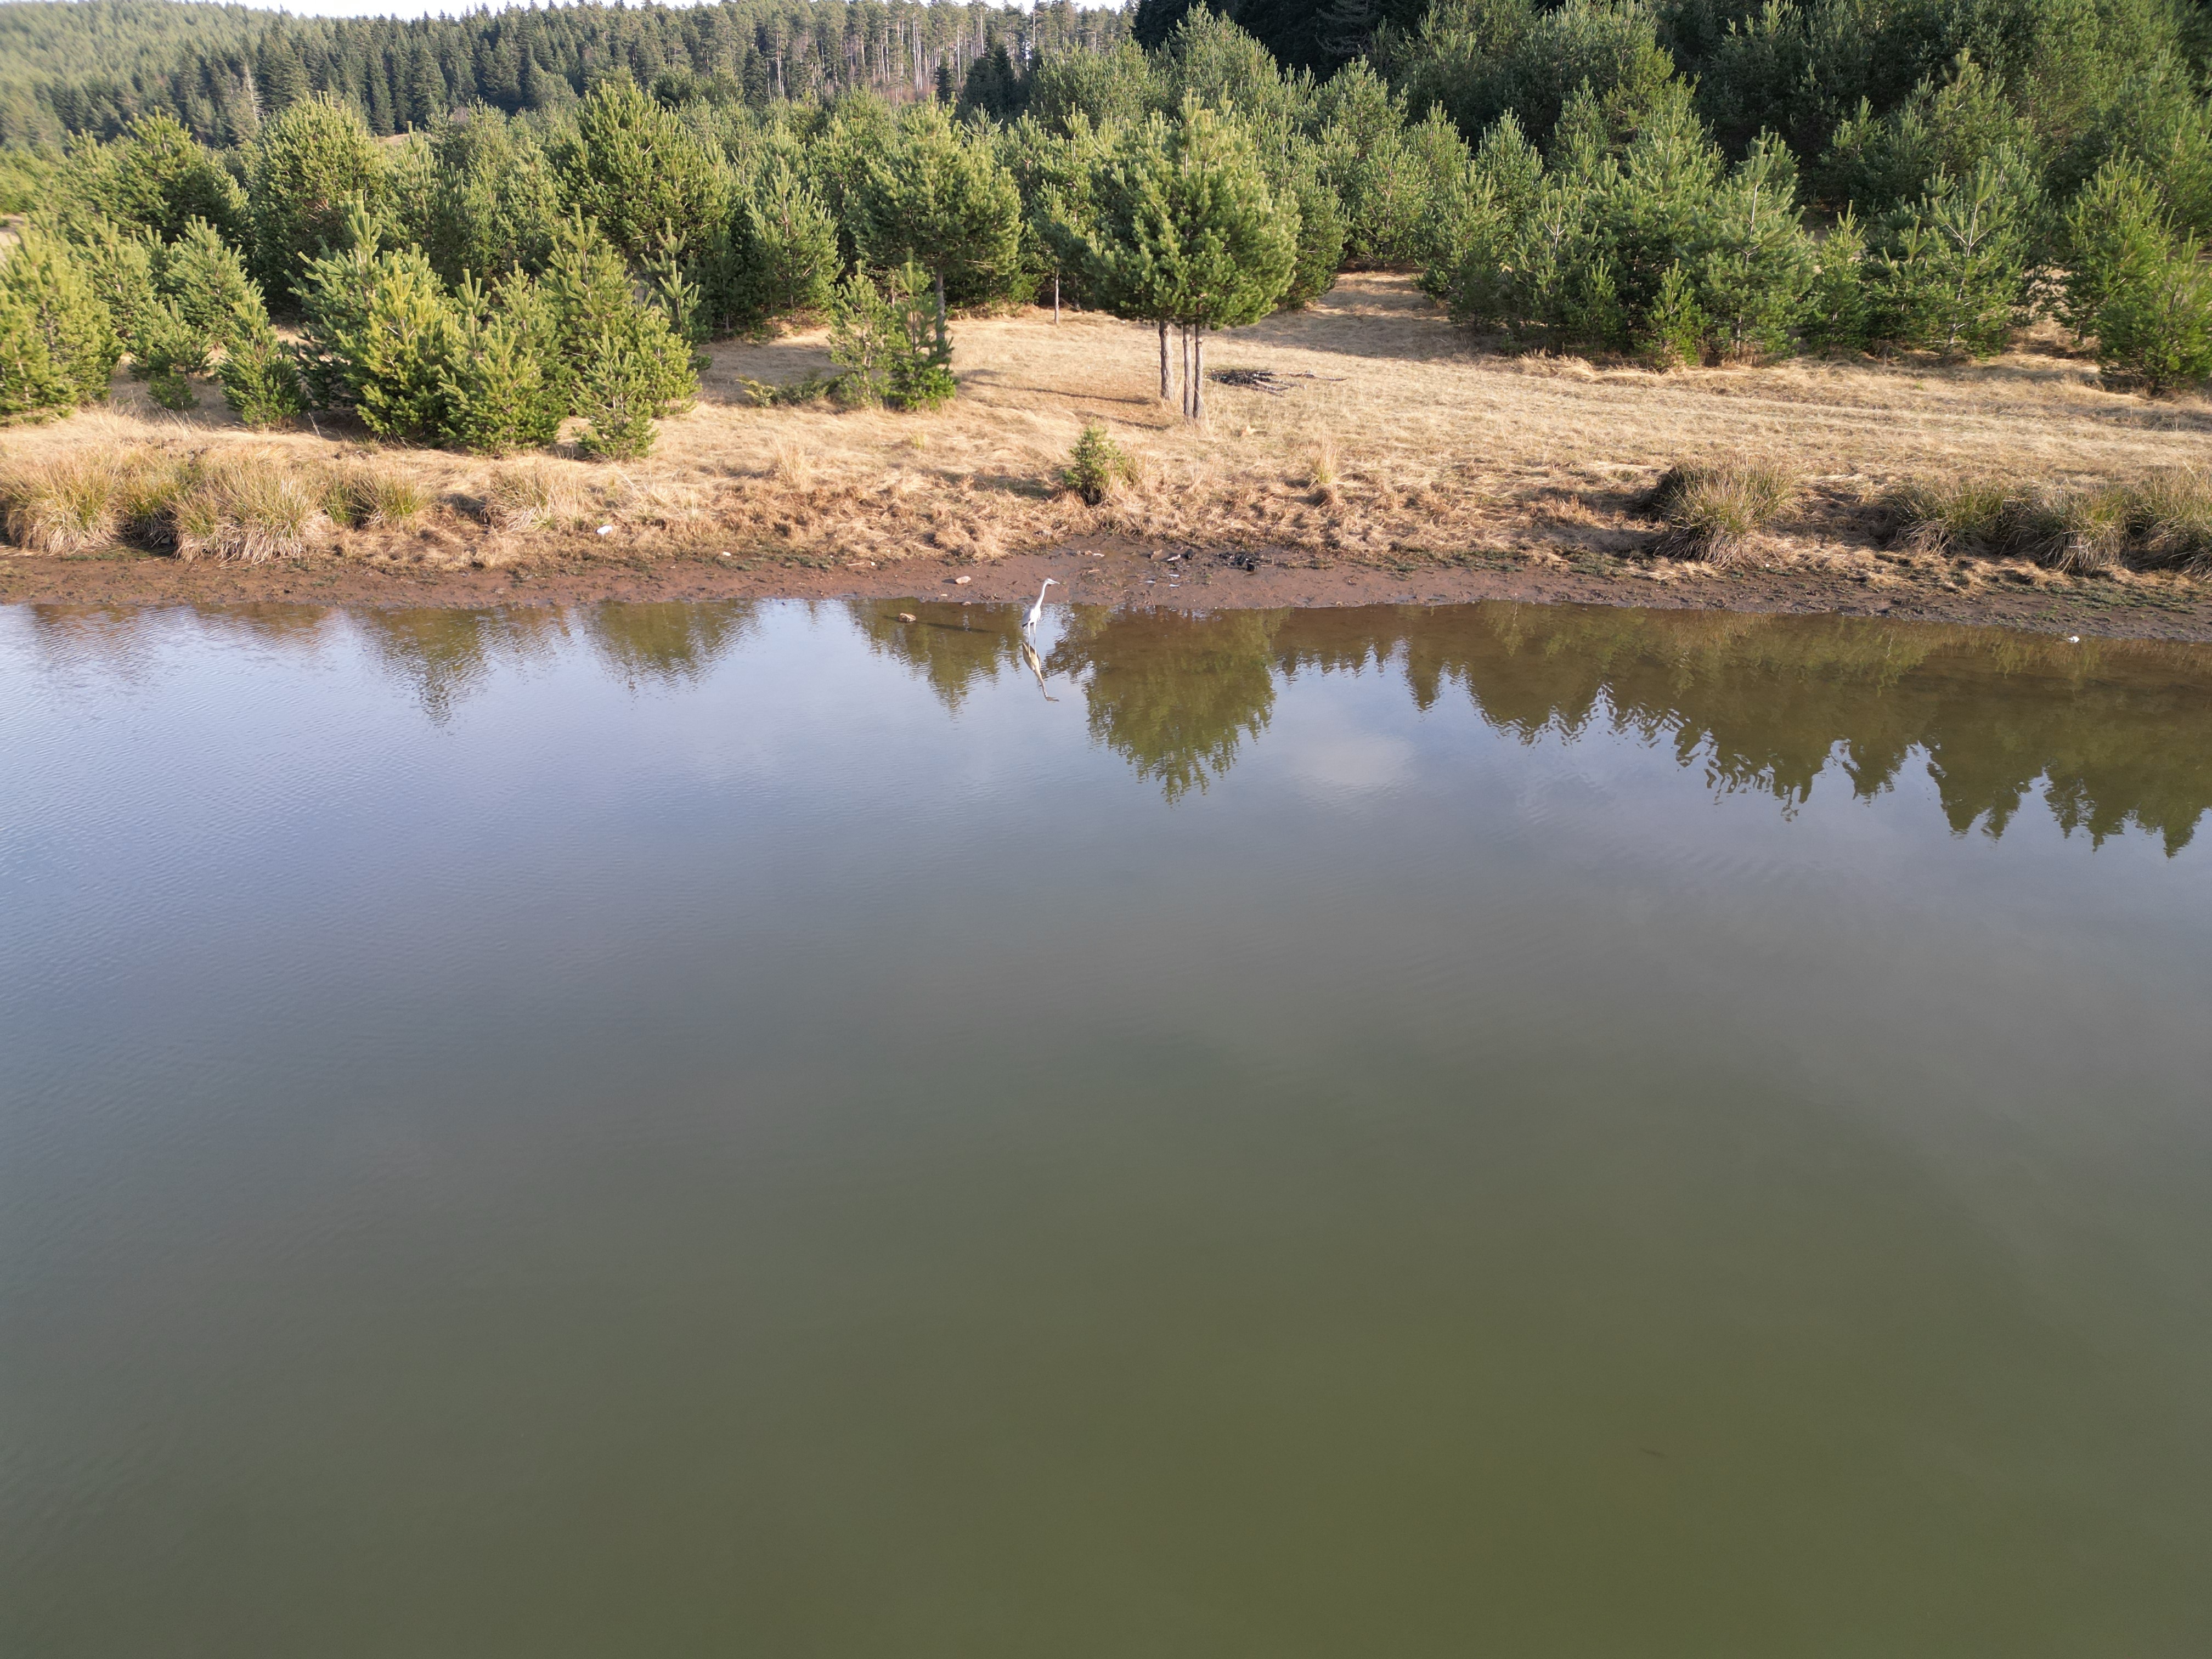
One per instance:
(1411,464)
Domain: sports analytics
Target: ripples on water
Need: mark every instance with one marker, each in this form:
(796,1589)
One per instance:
(661,1128)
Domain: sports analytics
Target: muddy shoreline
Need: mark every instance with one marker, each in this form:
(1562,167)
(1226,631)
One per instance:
(1117,573)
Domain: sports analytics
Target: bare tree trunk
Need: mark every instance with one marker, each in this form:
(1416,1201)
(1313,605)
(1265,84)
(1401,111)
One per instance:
(1182,336)
(1055,296)
(1198,384)
(1164,360)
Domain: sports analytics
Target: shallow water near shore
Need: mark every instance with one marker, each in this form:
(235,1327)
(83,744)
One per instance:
(662,1129)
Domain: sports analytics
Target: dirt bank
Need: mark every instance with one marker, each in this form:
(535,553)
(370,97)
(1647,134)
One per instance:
(1121,573)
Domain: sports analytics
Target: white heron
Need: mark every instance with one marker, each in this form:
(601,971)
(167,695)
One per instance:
(1037,610)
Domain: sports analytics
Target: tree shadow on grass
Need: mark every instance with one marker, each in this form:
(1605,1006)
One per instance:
(772,362)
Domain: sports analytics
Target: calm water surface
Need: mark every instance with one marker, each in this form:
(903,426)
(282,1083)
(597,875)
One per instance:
(672,1131)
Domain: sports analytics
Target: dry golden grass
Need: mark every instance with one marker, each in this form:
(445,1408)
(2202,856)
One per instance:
(2163,521)
(64,502)
(2174,511)
(248,507)
(1408,439)
(1712,512)
(534,494)
(378,497)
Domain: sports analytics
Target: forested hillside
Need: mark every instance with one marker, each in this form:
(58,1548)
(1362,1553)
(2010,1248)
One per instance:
(94,65)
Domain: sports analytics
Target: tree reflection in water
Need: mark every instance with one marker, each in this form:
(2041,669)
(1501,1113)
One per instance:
(952,646)
(669,642)
(119,640)
(2108,733)
(444,654)
(1175,695)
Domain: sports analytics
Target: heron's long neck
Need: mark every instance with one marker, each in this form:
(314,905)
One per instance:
(1042,592)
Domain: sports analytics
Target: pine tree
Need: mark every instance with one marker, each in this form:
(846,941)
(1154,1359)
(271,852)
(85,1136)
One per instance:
(203,278)
(406,336)
(1836,304)
(637,171)
(619,396)
(922,358)
(281,77)
(118,264)
(1952,275)
(1299,187)
(58,347)
(499,72)
(159,177)
(376,326)
(333,309)
(529,90)
(1363,137)
(1478,222)
(260,381)
(491,204)
(1660,201)
(614,355)
(381,106)
(497,389)
(993,87)
(2155,326)
(1672,329)
(1052,173)
(783,252)
(940,198)
(1188,233)
(863,337)
(2115,224)
(429,98)
(315,163)
(1127,250)
(1755,264)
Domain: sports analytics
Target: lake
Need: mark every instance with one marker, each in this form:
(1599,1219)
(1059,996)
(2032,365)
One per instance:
(770,1129)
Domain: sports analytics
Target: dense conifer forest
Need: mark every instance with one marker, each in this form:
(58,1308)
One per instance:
(92,66)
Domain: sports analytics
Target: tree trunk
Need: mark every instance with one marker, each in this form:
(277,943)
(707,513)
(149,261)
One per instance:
(1055,296)
(1198,381)
(944,341)
(1164,360)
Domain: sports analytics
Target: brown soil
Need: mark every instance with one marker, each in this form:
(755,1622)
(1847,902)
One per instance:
(1110,572)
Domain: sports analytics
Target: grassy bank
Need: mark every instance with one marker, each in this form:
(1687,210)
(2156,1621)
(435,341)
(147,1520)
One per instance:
(1388,438)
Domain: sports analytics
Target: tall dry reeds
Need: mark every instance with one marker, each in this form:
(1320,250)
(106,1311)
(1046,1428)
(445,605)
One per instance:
(365,496)
(246,510)
(2172,520)
(532,495)
(2162,522)
(67,503)
(242,507)
(1713,512)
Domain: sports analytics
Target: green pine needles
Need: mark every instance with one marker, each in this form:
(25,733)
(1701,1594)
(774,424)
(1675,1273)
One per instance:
(887,338)
(57,342)
(2134,283)
(1185,232)
(1096,464)
(477,242)
(495,369)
